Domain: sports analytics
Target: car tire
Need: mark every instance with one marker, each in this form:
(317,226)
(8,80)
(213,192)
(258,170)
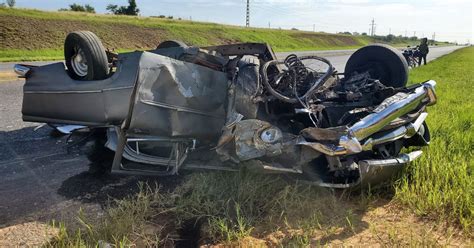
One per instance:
(100,157)
(383,62)
(85,56)
(171,43)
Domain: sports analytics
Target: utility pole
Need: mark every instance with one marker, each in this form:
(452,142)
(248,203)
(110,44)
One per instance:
(414,33)
(247,19)
(314,28)
(372,30)
(434,36)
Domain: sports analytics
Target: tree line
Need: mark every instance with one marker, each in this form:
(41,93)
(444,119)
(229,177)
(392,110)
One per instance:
(131,9)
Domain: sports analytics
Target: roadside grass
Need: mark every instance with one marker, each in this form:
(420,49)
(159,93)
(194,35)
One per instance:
(124,223)
(441,183)
(224,208)
(14,55)
(246,209)
(30,55)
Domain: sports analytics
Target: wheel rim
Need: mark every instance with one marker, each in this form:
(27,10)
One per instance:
(79,62)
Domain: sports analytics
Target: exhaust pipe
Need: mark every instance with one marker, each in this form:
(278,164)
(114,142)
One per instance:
(390,109)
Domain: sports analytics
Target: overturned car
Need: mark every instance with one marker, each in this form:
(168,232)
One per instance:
(223,107)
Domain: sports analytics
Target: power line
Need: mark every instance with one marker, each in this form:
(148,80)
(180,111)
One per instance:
(247,19)
(373,25)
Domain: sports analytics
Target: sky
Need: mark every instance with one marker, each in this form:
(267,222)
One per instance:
(448,20)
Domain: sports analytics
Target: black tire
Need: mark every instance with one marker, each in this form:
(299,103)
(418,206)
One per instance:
(171,43)
(100,157)
(89,46)
(382,61)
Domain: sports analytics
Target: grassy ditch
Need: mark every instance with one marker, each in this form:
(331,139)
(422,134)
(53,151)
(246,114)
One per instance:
(441,183)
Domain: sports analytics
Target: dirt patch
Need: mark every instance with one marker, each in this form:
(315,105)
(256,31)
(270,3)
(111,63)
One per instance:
(30,33)
(31,234)
(387,226)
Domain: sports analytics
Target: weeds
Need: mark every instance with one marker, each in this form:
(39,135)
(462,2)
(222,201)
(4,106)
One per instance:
(122,225)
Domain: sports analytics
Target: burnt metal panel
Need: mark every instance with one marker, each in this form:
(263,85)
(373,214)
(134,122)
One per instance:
(178,99)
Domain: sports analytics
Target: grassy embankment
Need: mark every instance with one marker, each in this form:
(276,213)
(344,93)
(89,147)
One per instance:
(39,35)
(441,183)
(431,205)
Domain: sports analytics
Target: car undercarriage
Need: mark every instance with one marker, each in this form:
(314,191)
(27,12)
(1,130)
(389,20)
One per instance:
(231,106)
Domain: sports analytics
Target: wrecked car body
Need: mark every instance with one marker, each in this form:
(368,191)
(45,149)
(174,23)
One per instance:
(224,107)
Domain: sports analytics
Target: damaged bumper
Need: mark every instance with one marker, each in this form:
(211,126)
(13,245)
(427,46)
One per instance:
(379,170)
(358,137)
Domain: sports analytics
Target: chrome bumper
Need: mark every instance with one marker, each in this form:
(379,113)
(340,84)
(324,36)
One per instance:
(380,170)
(390,109)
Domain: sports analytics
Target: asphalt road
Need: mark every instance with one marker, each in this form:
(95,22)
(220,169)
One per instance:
(42,180)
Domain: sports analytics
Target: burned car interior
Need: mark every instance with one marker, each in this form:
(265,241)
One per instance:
(224,107)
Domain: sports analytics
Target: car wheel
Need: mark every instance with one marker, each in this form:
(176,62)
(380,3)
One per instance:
(85,56)
(383,62)
(171,43)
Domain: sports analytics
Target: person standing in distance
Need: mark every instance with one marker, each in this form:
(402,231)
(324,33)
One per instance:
(424,50)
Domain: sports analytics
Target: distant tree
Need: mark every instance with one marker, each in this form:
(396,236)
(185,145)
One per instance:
(113,8)
(79,8)
(89,8)
(390,37)
(355,33)
(347,32)
(364,34)
(131,9)
(11,3)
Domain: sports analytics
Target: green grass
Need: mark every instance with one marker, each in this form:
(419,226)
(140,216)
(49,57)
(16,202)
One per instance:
(36,55)
(49,45)
(441,183)
(123,223)
(30,55)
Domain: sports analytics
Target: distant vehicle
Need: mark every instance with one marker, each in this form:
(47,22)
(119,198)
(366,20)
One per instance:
(412,56)
(224,107)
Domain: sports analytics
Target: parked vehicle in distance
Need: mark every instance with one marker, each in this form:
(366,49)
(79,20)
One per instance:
(412,56)
(229,106)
